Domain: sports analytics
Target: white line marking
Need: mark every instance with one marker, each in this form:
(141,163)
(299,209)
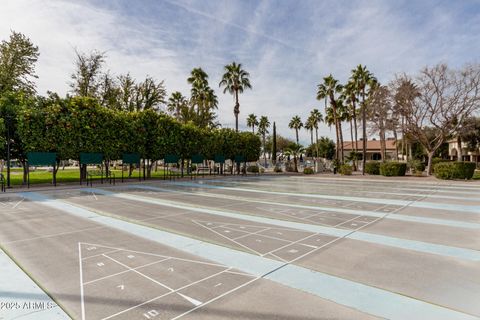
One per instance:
(169,293)
(82,300)
(195,302)
(218,233)
(18,203)
(93,193)
(216,298)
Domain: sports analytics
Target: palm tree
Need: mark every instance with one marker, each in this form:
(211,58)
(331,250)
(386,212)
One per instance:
(296,124)
(310,125)
(294,150)
(235,80)
(317,118)
(351,93)
(327,90)
(252,122)
(364,80)
(203,99)
(176,103)
(263,126)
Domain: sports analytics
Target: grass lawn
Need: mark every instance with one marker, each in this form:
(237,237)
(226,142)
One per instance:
(67,175)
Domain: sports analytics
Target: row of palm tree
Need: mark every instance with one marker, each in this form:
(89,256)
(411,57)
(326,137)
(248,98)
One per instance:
(200,108)
(341,103)
(263,124)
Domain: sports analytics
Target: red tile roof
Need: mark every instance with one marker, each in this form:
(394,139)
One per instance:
(371,145)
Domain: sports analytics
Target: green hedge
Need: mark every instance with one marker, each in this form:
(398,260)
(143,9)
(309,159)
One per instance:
(308,170)
(253,169)
(390,169)
(345,169)
(454,170)
(417,166)
(372,167)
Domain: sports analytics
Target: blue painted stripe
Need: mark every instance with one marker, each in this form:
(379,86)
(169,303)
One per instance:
(17,288)
(362,297)
(459,253)
(429,205)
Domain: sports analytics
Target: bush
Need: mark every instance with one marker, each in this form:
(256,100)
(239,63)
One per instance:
(454,170)
(393,169)
(253,169)
(277,169)
(417,166)
(308,170)
(345,169)
(372,167)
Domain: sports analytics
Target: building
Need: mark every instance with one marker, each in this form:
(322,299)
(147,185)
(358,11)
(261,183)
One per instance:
(373,149)
(465,153)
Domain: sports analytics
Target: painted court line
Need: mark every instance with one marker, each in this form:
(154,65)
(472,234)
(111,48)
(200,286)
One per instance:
(367,299)
(429,205)
(420,246)
(401,217)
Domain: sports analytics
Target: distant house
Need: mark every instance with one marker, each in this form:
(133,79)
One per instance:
(464,153)
(373,148)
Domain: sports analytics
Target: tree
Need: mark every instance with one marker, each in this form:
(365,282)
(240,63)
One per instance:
(203,99)
(296,124)
(274,143)
(328,91)
(178,107)
(351,92)
(316,118)
(263,126)
(364,81)
(252,121)
(446,97)
(235,80)
(470,133)
(310,126)
(294,150)
(326,148)
(109,92)
(18,56)
(86,78)
(379,114)
(127,92)
(149,94)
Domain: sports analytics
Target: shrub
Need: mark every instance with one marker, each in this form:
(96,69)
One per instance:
(345,169)
(277,169)
(454,170)
(417,166)
(372,167)
(308,170)
(253,169)
(393,169)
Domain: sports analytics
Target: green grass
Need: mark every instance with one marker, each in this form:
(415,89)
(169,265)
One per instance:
(67,175)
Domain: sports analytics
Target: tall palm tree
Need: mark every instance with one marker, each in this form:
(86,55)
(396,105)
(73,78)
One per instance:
(252,121)
(351,93)
(364,80)
(203,99)
(296,124)
(328,90)
(235,80)
(317,118)
(263,126)
(310,126)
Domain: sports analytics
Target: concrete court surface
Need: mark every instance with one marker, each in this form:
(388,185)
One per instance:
(371,242)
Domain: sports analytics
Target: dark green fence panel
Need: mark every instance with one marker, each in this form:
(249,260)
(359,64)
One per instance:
(171,158)
(239,158)
(131,158)
(197,158)
(219,158)
(42,158)
(91,158)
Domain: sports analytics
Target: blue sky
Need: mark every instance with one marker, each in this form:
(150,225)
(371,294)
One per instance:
(288,46)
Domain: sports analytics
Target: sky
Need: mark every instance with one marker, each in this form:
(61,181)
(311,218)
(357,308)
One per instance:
(287,46)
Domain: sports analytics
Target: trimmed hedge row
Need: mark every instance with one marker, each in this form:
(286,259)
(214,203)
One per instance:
(345,169)
(372,167)
(308,170)
(390,169)
(454,170)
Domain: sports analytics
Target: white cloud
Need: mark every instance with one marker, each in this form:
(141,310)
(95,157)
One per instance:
(287,46)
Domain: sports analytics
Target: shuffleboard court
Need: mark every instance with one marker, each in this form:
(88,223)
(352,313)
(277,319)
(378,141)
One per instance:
(272,247)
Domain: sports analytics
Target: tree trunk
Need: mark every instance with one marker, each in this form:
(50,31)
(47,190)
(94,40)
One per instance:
(341,141)
(236,110)
(364,129)
(382,144)
(296,134)
(295,163)
(395,136)
(354,116)
(311,137)
(459,147)
(429,164)
(354,160)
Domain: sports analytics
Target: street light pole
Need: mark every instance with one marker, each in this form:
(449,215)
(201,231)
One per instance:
(8,152)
